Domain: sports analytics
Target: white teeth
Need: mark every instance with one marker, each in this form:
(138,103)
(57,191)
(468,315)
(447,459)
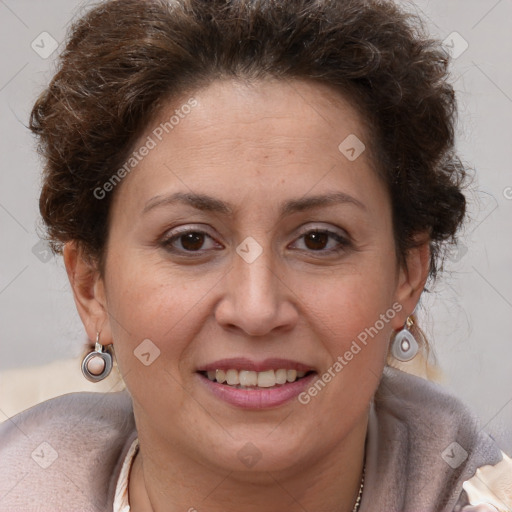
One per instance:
(280,376)
(249,378)
(291,375)
(232,377)
(266,379)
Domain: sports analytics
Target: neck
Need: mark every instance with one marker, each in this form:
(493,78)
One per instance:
(329,481)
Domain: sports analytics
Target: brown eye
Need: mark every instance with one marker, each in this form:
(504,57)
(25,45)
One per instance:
(192,241)
(316,240)
(323,241)
(187,241)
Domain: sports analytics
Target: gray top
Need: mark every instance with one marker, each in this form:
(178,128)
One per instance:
(422,444)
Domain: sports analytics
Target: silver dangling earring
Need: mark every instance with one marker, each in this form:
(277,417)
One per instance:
(405,347)
(97,365)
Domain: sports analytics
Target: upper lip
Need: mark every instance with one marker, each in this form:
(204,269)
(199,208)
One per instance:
(243,363)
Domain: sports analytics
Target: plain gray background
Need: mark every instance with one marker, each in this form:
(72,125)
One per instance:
(467,316)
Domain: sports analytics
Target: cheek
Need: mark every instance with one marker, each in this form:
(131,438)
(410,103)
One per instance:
(354,326)
(149,302)
(351,300)
(354,318)
(354,311)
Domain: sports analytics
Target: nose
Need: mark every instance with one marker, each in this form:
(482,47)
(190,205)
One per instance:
(256,300)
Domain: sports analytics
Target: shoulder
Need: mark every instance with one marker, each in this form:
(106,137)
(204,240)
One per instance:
(65,448)
(436,435)
(427,408)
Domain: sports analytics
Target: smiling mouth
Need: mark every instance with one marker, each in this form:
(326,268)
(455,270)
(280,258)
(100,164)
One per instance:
(248,379)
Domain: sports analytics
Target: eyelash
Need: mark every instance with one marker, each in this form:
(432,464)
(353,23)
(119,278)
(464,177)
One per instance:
(343,242)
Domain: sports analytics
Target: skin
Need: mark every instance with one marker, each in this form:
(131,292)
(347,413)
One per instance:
(253,146)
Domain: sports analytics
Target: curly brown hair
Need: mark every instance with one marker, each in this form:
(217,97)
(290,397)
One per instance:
(125,58)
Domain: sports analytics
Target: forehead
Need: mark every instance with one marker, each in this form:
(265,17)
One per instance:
(270,112)
(232,135)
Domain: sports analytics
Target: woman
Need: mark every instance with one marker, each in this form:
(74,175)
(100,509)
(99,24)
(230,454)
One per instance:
(249,198)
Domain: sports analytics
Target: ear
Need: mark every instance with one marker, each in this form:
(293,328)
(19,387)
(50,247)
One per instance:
(88,292)
(412,278)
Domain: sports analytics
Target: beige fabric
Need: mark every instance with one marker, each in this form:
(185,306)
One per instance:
(492,485)
(22,388)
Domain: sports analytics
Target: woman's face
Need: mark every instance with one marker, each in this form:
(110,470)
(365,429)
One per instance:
(233,277)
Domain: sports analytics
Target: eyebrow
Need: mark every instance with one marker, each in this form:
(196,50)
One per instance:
(211,204)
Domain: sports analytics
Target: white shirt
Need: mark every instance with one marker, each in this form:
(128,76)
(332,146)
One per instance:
(121,500)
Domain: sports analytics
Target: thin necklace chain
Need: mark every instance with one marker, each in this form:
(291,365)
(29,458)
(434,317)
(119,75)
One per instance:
(359,496)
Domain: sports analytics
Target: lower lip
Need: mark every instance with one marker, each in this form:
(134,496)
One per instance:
(259,398)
